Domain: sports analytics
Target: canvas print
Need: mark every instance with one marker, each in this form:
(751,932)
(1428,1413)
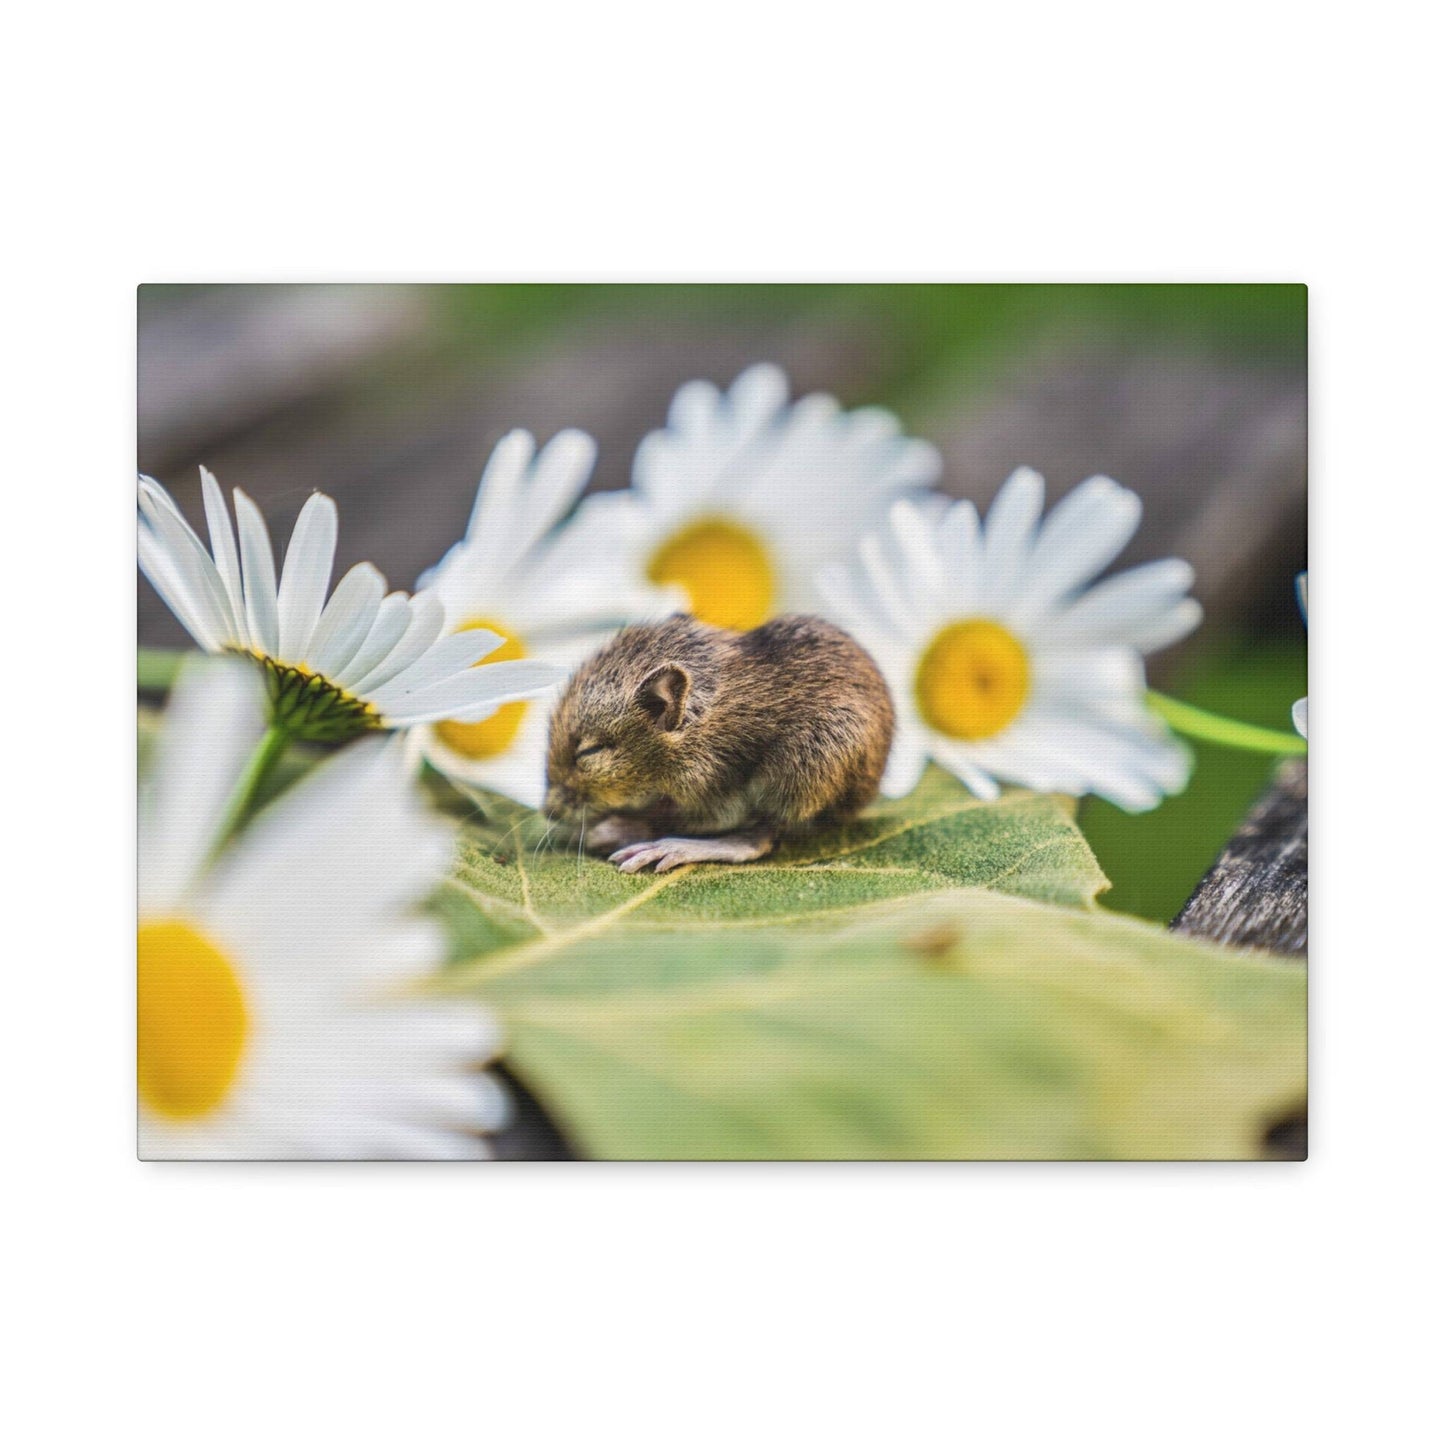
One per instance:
(731,722)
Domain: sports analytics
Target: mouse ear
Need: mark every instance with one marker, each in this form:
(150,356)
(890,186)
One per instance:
(663,696)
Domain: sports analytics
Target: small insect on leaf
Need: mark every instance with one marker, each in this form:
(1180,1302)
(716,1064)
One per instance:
(936,944)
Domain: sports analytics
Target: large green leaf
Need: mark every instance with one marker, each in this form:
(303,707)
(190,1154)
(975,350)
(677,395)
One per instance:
(932,981)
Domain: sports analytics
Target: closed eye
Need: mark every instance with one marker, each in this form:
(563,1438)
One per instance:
(587,752)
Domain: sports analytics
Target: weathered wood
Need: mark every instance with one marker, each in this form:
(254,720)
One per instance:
(1215,448)
(215,361)
(1255,895)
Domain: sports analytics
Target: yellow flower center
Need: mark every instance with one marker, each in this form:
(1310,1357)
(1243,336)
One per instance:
(725,570)
(190,1020)
(973,680)
(494,735)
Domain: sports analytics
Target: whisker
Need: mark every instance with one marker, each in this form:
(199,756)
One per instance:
(551,828)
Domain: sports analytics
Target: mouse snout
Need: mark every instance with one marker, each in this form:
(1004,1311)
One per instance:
(560,799)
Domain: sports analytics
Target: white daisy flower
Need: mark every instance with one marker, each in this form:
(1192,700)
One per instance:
(363,659)
(271,1015)
(742,497)
(514,577)
(1300,711)
(1005,664)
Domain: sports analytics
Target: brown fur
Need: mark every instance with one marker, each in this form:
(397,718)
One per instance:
(706,731)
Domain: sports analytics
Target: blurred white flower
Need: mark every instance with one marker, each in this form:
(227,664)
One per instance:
(1300,711)
(1005,665)
(333,668)
(743,496)
(509,576)
(271,1015)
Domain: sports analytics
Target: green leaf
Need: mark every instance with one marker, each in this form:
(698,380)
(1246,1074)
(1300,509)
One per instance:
(156,667)
(932,981)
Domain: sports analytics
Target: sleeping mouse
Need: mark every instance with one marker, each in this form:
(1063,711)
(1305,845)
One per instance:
(683,743)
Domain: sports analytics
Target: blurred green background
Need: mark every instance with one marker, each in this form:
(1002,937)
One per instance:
(390,397)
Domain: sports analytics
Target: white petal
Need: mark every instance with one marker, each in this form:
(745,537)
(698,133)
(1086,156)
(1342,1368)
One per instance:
(306,576)
(559,474)
(1029,754)
(156,496)
(707,436)
(1008,535)
(523,494)
(387,630)
(592,573)
(757,395)
(495,1104)
(443,659)
(905,767)
(213,723)
(314,905)
(258,571)
(421,944)
(914,535)
(471,695)
(457,1033)
(159,568)
(694,407)
(1074,675)
(962,544)
(422,630)
(155,499)
(1301,715)
(955,757)
(913,464)
(470,1100)
(1168,627)
(806,478)
(501,485)
(841,592)
(1132,766)
(411,1141)
(1078,539)
(870,429)
(884,585)
(1136,607)
(190,562)
(223,547)
(519,773)
(347,620)
(337,857)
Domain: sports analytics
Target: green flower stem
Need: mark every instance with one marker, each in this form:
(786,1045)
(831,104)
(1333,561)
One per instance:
(1208,727)
(258,769)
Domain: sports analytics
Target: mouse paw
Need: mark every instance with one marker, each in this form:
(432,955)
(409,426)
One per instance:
(617,831)
(667,853)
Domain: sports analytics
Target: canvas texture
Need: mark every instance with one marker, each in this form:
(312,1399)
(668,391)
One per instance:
(732,722)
